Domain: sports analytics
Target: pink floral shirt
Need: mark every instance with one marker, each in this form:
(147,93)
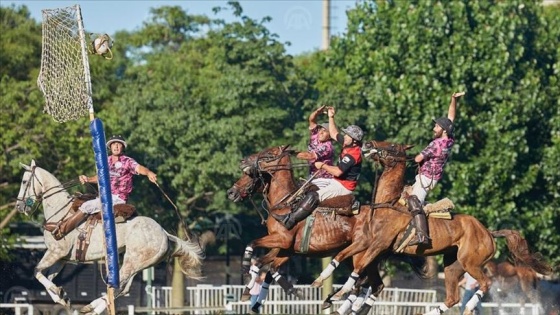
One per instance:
(121,173)
(323,150)
(435,156)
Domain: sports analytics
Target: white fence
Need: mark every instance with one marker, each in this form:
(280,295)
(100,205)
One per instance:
(208,299)
(17,307)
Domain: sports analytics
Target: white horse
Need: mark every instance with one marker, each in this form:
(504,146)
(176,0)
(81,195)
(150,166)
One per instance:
(145,241)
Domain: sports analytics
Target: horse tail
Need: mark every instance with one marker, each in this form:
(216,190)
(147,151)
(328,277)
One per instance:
(190,257)
(519,249)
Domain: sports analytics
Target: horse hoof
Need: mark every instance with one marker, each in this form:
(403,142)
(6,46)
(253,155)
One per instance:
(338,296)
(87,309)
(245,297)
(326,305)
(66,303)
(317,284)
(299,294)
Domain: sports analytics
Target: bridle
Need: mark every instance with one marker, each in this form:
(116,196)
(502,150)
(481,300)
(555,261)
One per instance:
(34,201)
(259,166)
(392,154)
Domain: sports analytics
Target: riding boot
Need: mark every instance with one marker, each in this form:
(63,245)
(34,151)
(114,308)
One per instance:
(61,229)
(415,207)
(305,208)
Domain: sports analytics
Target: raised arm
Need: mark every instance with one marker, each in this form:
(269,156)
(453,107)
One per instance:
(453,105)
(332,126)
(313,117)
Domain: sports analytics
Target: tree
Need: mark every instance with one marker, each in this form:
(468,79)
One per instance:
(396,67)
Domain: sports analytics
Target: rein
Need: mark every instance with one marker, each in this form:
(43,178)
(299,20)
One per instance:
(393,155)
(34,203)
(256,175)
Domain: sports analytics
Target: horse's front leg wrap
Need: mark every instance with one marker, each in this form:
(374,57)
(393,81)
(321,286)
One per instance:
(285,284)
(347,305)
(350,282)
(246,262)
(438,310)
(254,272)
(56,293)
(364,292)
(325,274)
(477,297)
(367,305)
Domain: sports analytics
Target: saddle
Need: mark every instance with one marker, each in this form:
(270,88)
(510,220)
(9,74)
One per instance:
(440,209)
(75,217)
(342,205)
(121,212)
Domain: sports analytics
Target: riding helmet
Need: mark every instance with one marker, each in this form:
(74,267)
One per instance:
(116,138)
(354,132)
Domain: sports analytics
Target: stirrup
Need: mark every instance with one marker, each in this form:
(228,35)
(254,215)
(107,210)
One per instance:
(282,218)
(419,240)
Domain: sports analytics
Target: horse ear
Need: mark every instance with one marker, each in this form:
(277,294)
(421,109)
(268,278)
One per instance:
(26,167)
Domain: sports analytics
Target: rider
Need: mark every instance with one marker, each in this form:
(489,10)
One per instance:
(432,160)
(345,174)
(319,149)
(121,169)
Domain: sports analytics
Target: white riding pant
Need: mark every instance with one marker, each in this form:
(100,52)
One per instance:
(332,188)
(422,186)
(94,205)
(320,182)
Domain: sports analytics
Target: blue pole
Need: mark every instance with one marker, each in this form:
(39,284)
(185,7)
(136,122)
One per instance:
(104,181)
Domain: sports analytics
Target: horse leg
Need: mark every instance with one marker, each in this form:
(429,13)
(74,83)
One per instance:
(96,307)
(375,287)
(246,261)
(346,306)
(360,263)
(453,271)
(255,270)
(287,286)
(49,259)
(352,249)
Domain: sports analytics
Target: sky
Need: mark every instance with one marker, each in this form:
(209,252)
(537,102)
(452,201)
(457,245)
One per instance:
(298,22)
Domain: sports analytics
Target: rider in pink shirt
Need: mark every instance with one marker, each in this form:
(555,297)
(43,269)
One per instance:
(121,170)
(432,160)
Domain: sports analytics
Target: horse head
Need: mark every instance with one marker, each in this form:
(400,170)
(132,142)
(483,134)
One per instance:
(38,185)
(385,152)
(258,171)
(31,189)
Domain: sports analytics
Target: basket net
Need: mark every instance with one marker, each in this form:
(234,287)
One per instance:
(64,76)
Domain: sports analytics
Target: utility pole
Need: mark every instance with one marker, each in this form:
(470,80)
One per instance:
(326,34)
(326,42)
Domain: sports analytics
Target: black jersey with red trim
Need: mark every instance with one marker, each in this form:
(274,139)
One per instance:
(350,163)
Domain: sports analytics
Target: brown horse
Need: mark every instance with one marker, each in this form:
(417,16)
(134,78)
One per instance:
(465,243)
(270,173)
(511,280)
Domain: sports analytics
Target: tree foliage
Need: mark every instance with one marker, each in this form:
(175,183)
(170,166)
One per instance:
(397,66)
(193,95)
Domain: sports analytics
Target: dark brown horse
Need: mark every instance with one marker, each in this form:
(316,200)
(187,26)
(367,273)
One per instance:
(466,245)
(270,173)
(509,280)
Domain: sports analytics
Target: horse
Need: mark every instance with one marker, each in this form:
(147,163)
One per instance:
(270,172)
(466,244)
(513,281)
(144,242)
